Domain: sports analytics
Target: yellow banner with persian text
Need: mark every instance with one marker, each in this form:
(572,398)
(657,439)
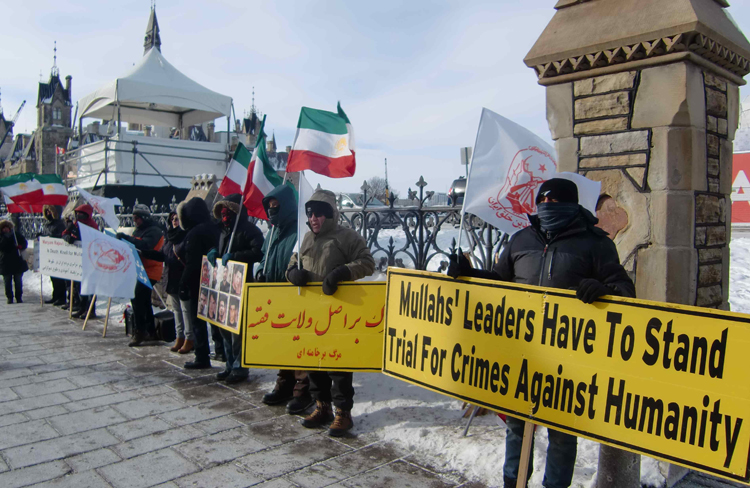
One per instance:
(289,327)
(665,380)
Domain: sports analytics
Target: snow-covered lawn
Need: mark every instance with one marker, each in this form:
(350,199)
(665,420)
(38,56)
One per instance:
(431,425)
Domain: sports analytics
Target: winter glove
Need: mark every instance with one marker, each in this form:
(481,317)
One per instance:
(298,276)
(260,277)
(225,258)
(332,279)
(212,255)
(459,265)
(69,238)
(590,289)
(20,247)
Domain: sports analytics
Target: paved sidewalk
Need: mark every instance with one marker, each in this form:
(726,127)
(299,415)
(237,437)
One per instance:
(78,410)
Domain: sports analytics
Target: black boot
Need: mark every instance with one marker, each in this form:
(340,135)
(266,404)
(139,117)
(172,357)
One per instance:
(276,397)
(299,404)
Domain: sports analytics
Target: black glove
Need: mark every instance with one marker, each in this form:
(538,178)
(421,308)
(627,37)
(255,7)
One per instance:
(183,294)
(297,276)
(459,265)
(121,235)
(69,238)
(332,279)
(590,289)
(260,277)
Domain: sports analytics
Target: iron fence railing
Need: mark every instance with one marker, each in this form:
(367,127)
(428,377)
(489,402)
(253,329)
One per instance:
(417,236)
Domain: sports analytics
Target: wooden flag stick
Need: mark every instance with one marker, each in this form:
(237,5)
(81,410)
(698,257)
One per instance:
(88,314)
(523,467)
(70,297)
(106,318)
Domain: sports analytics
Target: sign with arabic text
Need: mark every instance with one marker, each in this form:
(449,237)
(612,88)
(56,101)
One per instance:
(289,327)
(59,259)
(665,380)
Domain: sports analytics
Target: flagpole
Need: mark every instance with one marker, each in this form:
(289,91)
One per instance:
(299,229)
(270,233)
(468,180)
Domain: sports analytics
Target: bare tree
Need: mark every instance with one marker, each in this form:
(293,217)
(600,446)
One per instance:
(378,190)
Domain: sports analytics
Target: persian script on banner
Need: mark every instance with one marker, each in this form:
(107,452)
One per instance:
(314,331)
(59,259)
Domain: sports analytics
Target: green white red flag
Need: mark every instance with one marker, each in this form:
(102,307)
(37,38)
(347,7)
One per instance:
(234,180)
(261,179)
(29,192)
(324,144)
(53,188)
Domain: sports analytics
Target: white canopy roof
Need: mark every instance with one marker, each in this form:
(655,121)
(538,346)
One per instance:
(155,93)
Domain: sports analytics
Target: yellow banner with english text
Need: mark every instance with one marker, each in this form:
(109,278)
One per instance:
(290,327)
(664,380)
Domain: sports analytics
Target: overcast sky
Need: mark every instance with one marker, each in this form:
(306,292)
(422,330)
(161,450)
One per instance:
(412,76)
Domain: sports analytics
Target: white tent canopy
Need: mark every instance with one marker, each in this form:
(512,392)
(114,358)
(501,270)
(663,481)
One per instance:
(155,93)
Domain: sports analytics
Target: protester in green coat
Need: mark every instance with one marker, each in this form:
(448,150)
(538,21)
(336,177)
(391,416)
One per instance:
(281,207)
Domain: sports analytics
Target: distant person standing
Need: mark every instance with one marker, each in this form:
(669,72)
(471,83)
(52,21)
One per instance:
(201,236)
(330,253)
(12,265)
(83,216)
(54,227)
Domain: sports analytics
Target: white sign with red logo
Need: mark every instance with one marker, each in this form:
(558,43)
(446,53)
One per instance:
(105,207)
(109,268)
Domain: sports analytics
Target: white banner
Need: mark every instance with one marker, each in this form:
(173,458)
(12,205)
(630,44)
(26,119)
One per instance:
(59,259)
(109,268)
(105,207)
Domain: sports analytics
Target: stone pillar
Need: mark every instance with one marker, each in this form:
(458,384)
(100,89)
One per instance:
(643,96)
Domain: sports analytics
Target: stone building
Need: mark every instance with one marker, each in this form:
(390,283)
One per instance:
(54,113)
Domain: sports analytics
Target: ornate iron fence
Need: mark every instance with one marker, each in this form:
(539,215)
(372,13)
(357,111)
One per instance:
(418,236)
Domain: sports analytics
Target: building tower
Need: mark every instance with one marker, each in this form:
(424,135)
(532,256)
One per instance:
(53,118)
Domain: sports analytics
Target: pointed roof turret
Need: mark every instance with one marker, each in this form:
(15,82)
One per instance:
(152,39)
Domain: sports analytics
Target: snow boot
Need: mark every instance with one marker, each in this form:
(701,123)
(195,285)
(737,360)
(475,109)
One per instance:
(137,339)
(299,404)
(276,397)
(177,344)
(321,415)
(341,424)
(186,347)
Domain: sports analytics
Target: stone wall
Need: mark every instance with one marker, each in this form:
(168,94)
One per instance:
(660,141)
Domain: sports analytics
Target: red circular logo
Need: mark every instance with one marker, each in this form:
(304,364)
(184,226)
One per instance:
(107,258)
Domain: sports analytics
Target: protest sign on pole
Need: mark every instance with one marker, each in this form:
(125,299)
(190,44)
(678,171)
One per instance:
(105,207)
(109,268)
(312,330)
(59,259)
(664,380)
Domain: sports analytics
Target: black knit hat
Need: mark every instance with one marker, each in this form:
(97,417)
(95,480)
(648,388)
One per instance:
(559,189)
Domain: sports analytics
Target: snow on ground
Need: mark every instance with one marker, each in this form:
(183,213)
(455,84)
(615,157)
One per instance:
(431,425)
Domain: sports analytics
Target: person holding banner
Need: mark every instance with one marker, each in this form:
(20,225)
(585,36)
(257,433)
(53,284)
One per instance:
(147,236)
(246,247)
(83,215)
(561,248)
(54,227)
(12,265)
(330,253)
(201,236)
(281,208)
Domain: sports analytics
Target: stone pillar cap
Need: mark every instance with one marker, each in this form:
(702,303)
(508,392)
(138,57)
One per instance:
(615,35)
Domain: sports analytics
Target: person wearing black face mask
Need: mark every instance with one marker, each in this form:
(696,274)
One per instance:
(561,248)
(246,248)
(292,387)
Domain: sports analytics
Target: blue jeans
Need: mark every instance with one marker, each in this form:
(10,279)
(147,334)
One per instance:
(233,352)
(561,455)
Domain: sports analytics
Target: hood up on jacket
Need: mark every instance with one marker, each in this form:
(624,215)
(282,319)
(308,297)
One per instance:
(89,211)
(328,197)
(55,210)
(5,223)
(231,202)
(287,203)
(193,212)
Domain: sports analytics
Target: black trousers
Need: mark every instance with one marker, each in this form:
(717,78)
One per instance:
(142,311)
(10,280)
(332,387)
(296,382)
(58,288)
(218,340)
(201,334)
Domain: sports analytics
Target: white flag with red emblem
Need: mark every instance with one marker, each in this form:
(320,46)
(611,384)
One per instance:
(109,267)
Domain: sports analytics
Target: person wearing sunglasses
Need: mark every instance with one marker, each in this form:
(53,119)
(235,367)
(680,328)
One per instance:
(331,254)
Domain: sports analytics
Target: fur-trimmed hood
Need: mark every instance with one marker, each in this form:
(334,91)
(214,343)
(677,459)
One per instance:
(232,202)
(56,211)
(193,212)
(5,223)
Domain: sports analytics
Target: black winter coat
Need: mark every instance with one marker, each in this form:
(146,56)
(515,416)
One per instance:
(247,246)
(579,251)
(202,235)
(54,227)
(174,266)
(11,262)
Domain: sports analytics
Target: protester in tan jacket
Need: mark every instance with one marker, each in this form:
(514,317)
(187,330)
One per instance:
(331,254)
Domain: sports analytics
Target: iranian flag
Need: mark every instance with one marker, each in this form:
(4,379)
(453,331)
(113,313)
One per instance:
(261,179)
(54,190)
(324,144)
(22,193)
(234,180)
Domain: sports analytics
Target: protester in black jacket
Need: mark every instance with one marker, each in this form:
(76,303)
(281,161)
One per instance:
(202,235)
(12,265)
(561,248)
(247,246)
(54,227)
